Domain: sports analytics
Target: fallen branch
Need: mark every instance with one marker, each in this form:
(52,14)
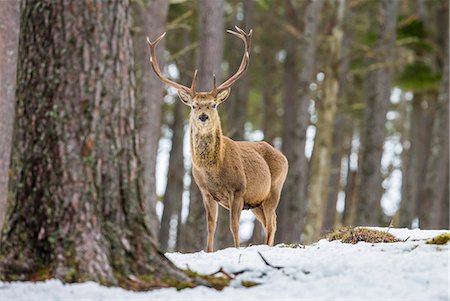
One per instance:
(267,263)
(221,270)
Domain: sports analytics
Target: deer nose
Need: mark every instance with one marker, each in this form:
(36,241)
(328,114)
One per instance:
(203,117)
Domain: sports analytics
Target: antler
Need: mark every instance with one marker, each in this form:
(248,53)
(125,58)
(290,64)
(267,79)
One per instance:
(247,39)
(155,66)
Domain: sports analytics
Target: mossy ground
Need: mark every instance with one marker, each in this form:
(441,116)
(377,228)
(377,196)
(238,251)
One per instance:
(440,239)
(354,235)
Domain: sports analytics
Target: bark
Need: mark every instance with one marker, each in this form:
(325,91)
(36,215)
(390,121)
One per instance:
(9,40)
(342,134)
(174,190)
(211,25)
(237,106)
(350,209)
(236,109)
(77,211)
(150,21)
(434,209)
(378,87)
(326,107)
(420,140)
(295,123)
(193,232)
(175,176)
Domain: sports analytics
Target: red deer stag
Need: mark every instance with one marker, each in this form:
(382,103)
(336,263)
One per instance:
(235,174)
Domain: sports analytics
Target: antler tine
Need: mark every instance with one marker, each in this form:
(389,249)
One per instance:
(155,66)
(194,83)
(246,38)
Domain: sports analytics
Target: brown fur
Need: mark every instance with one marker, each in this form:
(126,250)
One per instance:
(233,174)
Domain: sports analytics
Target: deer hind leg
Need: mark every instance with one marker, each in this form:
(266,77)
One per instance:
(236,206)
(211,218)
(259,213)
(269,208)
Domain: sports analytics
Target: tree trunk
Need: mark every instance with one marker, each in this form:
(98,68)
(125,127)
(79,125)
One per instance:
(378,88)
(350,208)
(236,109)
(150,18)
(326,107)
(77,211)
(436,187)
(295,123)
(9,40)
(237,106)
(342,132)
(210,60)
(174,190)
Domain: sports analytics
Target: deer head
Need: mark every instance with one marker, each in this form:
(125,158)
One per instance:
(204,104)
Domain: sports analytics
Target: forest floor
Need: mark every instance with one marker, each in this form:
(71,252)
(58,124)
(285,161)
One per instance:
(406,270)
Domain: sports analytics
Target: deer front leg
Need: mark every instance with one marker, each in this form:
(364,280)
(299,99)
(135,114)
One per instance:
(237,203)
(211,218)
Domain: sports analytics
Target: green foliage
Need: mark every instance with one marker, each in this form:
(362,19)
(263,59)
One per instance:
(417,77)
(413,35)
(440,239)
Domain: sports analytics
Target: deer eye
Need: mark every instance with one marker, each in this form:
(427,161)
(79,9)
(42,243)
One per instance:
(194,107)
(214,106)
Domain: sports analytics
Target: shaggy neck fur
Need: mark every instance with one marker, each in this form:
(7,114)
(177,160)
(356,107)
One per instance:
(206,147)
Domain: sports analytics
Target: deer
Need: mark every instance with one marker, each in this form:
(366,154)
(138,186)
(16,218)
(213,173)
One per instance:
(237,175)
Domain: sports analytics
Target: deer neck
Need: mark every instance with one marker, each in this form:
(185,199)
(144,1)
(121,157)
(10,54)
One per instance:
(206,147)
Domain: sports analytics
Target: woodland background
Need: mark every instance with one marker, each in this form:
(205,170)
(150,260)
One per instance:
(354,92)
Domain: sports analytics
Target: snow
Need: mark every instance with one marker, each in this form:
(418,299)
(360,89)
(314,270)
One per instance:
(409,270)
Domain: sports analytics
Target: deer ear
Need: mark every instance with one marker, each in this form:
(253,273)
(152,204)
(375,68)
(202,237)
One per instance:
(222,96)
(186,98)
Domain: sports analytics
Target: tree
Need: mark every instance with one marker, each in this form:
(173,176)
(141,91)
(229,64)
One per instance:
(378,89)
(295,123)
(174,190)
(342,131)
(175,187)
(434,207)
(9,40)
(150,21)
(77,209)
(326,107)
(211,31)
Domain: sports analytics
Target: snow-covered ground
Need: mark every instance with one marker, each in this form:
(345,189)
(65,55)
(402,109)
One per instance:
(410,270)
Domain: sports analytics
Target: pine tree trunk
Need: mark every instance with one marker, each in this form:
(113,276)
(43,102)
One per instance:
(342,134)
(210,60)
(323,142)
(237,107)
(9,40)
(150,21)
(295,123)
(378,87)
(77,211)
(174,190)
(436,187)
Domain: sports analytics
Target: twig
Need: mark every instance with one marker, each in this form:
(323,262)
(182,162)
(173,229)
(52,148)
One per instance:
(384,236)
(267,263)
(221,270)
(407,239)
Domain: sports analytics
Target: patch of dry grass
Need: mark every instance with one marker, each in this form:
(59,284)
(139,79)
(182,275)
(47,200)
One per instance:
(353,235)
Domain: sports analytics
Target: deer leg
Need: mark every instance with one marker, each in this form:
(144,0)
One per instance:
(211,218)
(259,213)
(237,204)
(269,208)
(271,226)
